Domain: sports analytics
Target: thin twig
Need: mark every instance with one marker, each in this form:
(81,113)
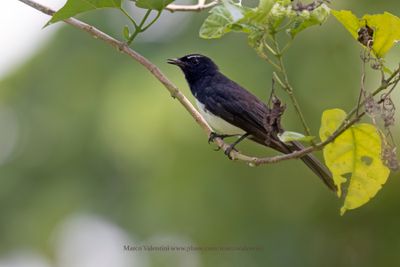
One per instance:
(152,22)
(139,28)
(129,17)
(307,150)
(384,85)
(287,86)
(364,58)
(201,5)
(269,60)
(393,86)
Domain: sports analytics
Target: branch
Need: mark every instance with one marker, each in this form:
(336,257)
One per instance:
(153,69)
(392,80)
(307,150)
(176,93)
(201,5)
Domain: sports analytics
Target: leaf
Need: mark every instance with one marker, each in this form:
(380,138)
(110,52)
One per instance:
(265,6)
(222,20)
(255,38)
(307,19)
(126,32)
(288,136)
(217,24)
(153,4)
(354,159)
(349,21)
(74,7)
(281,11)
(386,29)
(259,15)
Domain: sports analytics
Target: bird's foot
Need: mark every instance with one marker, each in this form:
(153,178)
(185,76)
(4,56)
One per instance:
(232,146)
(214,135)
(229,150)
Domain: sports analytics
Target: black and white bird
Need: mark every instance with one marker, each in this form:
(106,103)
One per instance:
(231,110)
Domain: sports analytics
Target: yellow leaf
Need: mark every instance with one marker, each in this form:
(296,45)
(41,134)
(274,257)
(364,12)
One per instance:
(353,158)
(348,20)
(387,31)
(386,28)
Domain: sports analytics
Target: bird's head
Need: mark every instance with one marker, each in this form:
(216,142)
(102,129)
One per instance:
(195,66)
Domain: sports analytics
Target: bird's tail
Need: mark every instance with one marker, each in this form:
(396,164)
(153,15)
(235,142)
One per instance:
(311,161)
(316,166)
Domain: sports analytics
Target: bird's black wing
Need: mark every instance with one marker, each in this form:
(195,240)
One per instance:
(236,105)
(242,109)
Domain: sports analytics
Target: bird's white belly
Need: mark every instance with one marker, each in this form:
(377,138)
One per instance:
(217,124)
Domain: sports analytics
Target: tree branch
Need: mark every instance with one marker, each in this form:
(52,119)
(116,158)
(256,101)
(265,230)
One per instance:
(176,93)
(153,69)
(201,5)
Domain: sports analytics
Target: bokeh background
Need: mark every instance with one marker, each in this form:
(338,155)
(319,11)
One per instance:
(95,154)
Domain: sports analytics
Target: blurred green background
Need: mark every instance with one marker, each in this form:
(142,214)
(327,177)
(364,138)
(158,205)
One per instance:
(88,132)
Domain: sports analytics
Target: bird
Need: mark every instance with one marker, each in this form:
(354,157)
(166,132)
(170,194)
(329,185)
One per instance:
(231,110)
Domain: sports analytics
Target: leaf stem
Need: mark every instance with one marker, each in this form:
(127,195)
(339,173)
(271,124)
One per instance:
(269,60)
(128,16)
(285,84)
(276,78)
(138,28)
(286,47)
(152,22)
(273,52)
(362,88)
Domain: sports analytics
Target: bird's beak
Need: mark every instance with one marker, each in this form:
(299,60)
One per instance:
(176,61)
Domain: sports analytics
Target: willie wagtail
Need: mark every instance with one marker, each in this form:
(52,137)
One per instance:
(231,110)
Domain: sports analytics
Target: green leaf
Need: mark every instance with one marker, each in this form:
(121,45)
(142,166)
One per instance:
(354,159)
(259,15)
(257,22)
(126,32)
(386,29)
(217,24)
(288,136)
(281,10)
(387,70)
(255,39)
(153,4)
(74,7)
(265,6)
(222,20)
(307,19)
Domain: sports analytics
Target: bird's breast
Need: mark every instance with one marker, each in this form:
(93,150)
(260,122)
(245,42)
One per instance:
(218,124)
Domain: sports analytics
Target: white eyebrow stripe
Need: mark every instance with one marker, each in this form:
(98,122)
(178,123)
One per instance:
(194,56)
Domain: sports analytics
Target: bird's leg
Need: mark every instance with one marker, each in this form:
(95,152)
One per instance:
(232,146)
(214,135)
